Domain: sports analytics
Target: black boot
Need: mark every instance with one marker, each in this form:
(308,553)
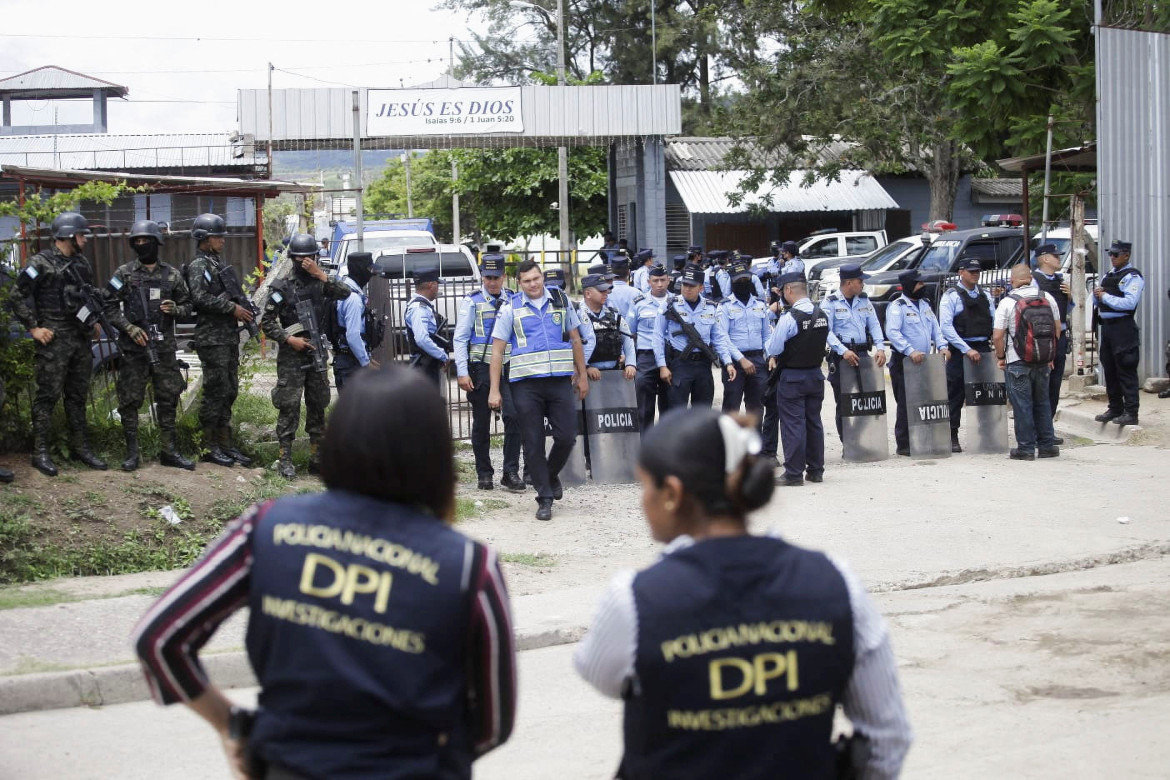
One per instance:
(79,450)
(6,475)
(41,460)
(314,456)
(225,438)
(169,454)
(215,453)
(286,468)
(131,462)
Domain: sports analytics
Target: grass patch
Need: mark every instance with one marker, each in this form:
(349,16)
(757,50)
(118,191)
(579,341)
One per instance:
(16,598)
(466,508)
(536,560)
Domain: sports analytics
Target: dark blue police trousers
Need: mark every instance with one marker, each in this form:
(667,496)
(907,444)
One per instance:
(481,421)
(536,399)
(651,389)
(800,392)
(691,383)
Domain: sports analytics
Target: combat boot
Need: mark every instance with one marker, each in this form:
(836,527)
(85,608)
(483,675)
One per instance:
(314,456)
(215,453)
(225,438)
(6,475)
(131,462)
(41,460)
(79,450)
(286,468)
(169,454)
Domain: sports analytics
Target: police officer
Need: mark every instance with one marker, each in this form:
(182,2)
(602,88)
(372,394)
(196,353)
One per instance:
(50,305)
(407,671)
(730,629)
(966,315)
(797,349)
(472,342)
(746,320)
(790,262)
(145,297)
(685,363)
(296,373)
(1116,300)
(677,263)
(217,339)
(912,329)
(351,347)
(541,327)
(644,314)
(854,330)
(716,281)
(621,295)
(607,342)
(640,279)
(422,327)
(1047,278)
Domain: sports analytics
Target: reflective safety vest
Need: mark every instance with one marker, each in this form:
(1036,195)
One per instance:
(484,309)
(744,649)
(540,338)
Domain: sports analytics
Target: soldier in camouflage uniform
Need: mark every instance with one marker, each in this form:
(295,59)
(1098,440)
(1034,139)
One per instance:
(294,362)
(50,305)
(145,296)
(217,340)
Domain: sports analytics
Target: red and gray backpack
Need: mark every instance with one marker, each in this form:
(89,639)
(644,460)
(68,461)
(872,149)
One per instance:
(1034,336)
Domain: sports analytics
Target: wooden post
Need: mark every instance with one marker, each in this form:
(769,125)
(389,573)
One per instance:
(1079,292)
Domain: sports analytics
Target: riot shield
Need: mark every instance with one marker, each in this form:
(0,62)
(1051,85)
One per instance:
(927,410)
(611,427)
(863,411)
(986,402)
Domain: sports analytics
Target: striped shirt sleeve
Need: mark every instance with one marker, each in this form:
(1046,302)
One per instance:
(169,636)
(492,651)
(873,697)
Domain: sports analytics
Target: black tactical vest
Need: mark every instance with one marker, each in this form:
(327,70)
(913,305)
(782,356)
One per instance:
(744,648)
(293,291)
(607,331)
(971,320)
(1111,283)
(807,348)
(1052,287)
(53,298)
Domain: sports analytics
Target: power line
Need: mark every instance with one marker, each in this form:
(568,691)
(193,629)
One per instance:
(211,39)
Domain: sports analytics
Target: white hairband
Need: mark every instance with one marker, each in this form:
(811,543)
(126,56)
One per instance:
(738,442)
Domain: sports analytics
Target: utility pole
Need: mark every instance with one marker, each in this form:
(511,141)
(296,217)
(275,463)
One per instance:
(562,151)
(409,200)
(270,69)
(357,170)
(456,233)
(1079,292)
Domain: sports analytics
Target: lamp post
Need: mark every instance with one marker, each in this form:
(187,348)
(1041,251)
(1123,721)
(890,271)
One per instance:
(562,151)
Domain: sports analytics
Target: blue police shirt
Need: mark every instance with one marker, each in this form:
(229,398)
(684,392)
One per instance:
(850,320)
(643,314)
(1131,295)
(589,338)
(621,296)
(792,266)
(503,328)
(746,325)
(911,326)
(350,313)
(950,306)
(640,280)
(420,318)
(704,316)
(786,328)
(465,324)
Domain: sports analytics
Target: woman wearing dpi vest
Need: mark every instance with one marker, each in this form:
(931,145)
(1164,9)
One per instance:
(379,635)
(732,651)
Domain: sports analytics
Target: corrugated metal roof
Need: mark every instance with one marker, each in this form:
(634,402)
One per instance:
(50,77)
(100,151)
(207,184)
(705,192)
(708,154)
(1133,178)
(999,188)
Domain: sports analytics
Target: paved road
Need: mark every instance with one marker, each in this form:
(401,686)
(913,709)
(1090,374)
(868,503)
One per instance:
(1059,676)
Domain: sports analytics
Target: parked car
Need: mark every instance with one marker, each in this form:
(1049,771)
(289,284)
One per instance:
(995,248)
(820,247)
(392,287)
(892,257)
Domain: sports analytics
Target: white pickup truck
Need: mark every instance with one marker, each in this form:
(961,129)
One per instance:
(820,247)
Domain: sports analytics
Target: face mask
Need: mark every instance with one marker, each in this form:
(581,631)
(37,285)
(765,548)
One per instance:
(742,288)
(916,294)
(147,253)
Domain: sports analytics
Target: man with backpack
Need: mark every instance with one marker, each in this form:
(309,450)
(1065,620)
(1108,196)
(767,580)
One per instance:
(348,332)
(1027,329)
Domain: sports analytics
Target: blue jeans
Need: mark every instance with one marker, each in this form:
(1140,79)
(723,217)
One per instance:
(1027,388)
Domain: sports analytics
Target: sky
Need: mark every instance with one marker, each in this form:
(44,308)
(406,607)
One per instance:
(184,62)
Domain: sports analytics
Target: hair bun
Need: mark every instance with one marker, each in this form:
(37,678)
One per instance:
(757,484)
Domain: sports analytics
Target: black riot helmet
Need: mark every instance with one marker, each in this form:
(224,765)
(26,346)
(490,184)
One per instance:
(303,245)
(146,228)
(69,224)
(206,225)
(360,266)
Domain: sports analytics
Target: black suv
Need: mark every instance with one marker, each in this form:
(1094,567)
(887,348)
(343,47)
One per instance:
(994,247)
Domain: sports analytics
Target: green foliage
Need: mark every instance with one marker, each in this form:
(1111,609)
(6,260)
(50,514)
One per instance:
(536,560)
(39,208)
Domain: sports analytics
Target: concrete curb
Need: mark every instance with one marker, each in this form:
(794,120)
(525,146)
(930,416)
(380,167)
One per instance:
(1078,421)
(124,683)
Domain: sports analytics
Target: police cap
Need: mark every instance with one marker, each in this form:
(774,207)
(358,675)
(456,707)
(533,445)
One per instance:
(620,262)
(492,265)
(792,277)
(692,274)
(853,271)
(644,255)
(424,275)
(971,264)
(1120,247)
(1047,249)
(790,247)
(908,279)
(555,275)
(657,270)
(597,282)
(741,269)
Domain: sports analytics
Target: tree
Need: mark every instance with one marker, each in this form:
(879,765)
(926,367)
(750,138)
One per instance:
(430,191)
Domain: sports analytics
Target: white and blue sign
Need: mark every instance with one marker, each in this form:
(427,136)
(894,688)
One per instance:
(468,110)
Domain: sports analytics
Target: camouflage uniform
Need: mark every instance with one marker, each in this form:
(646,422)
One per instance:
(136,282)
(294,370)
(48,298)
(217,342)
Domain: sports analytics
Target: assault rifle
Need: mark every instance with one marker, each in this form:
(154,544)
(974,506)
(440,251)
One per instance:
(153,333)
(420,358)
(307,317)
(91,306)
(235,293)
(694,340)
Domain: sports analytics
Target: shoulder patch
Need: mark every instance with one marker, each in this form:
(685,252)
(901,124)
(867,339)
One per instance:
(116,283)
(207,274)
(276,297)
(31,272)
